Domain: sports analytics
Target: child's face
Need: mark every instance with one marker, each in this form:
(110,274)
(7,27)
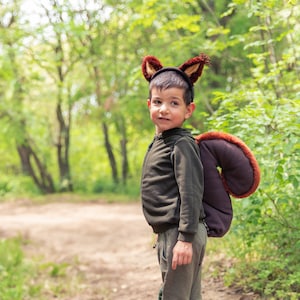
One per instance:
(168,109)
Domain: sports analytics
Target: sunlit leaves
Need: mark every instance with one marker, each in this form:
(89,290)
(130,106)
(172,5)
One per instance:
(265,112)
(218,30)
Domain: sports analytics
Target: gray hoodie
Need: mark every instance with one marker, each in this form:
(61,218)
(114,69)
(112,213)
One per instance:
(172,184)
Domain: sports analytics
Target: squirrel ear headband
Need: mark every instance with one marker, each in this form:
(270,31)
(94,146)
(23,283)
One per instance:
(190,71)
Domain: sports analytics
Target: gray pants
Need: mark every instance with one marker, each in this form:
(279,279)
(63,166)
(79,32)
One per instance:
(184,283)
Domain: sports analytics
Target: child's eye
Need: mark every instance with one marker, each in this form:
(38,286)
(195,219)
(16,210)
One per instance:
(174,103)
(156,101)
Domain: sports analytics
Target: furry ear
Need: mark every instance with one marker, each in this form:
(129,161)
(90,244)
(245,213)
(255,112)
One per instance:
(194,66)
(150,65)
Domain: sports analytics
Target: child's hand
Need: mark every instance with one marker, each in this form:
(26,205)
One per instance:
(182,254)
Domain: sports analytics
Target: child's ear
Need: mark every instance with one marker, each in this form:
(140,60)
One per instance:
(189,110)
(149,102)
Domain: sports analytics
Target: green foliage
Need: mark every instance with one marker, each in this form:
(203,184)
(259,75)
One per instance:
(12,185)
(131,189)
(54,269)
(268,222)
(264,111)
(15,273)
(23,278)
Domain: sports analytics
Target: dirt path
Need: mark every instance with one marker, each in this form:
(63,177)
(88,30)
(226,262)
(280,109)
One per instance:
(112,243)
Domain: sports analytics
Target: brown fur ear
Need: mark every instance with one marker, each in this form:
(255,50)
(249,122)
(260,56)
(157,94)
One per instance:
(150,65)
(194,66)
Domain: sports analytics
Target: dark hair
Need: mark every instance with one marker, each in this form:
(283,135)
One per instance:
(170,79)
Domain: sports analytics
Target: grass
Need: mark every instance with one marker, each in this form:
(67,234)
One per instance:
(73,198)
(217,259)
(23,277)
(15,272)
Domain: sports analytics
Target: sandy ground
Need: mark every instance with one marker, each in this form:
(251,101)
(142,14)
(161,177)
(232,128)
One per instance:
(111,243)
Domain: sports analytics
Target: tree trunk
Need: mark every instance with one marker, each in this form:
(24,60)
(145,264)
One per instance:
(110,153)
(63,144)
(123,144)
(33,167)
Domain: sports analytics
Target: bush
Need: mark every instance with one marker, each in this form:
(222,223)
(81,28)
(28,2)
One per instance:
(264,111)
(11,185)
(267,224)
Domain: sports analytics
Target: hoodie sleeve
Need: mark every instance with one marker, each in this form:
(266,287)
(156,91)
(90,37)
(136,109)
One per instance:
(188,172)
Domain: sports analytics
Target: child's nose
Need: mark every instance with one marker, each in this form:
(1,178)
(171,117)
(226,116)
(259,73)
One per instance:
(164,108)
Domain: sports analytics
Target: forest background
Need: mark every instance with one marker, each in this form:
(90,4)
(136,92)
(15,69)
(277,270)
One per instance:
(73,113)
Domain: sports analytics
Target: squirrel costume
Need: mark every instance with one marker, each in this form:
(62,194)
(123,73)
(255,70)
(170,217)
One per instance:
(239,173)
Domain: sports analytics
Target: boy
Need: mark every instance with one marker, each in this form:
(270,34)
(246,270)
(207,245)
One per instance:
(172,178)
